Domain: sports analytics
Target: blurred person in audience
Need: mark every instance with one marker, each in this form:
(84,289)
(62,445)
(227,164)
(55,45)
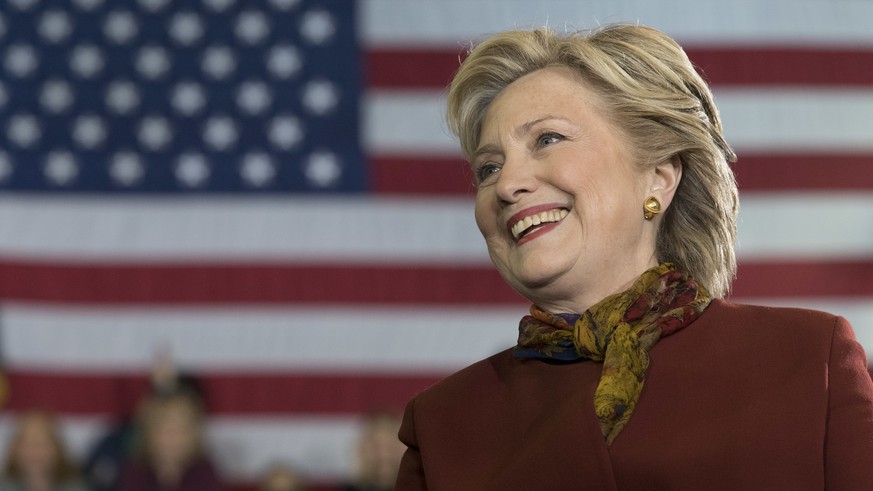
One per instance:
(379,453)
(37,459)
(103,463)
(171,456)
(281,477)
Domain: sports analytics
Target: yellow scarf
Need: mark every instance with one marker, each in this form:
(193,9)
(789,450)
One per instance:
(619,330)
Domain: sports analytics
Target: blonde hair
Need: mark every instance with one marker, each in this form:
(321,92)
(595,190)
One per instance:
(651,92)
(63,470)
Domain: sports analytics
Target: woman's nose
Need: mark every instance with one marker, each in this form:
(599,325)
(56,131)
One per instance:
(515,179)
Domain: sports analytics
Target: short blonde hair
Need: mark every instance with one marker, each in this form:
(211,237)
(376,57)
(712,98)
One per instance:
(63,470)
(652,93)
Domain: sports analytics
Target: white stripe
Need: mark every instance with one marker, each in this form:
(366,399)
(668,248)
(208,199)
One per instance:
(322,448)
(395,230)
(759,119)
(401,340)
(797,120)
(805,226)
(209,229)
(410,122)
(405,340)
(452,23)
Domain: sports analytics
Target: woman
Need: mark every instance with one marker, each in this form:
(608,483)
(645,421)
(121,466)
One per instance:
(36,458)
(605,198)
(172,458)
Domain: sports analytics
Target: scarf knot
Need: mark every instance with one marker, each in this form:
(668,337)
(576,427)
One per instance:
(618,331)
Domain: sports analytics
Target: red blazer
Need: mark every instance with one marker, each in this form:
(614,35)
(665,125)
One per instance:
(745,398)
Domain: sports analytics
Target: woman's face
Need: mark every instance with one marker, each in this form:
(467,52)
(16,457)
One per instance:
(548,155)
(173,433)
(36,453)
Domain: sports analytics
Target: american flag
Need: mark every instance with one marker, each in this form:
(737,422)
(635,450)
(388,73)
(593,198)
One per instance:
(267,189)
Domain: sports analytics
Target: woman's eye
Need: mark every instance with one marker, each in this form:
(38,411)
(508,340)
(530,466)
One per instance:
(549,138)
(485,170)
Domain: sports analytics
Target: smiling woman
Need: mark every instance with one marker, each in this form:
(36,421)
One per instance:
(605,198)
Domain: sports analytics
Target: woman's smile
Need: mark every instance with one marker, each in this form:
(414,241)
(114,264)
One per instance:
(535,221)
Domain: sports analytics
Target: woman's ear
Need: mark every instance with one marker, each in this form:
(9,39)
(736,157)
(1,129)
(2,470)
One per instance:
(665,180)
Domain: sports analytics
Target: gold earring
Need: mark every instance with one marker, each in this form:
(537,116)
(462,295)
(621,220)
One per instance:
(651,207)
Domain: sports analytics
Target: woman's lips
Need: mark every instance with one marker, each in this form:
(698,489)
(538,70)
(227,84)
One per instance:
(535,218)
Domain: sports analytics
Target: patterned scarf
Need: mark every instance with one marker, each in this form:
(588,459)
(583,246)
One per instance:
(619,331)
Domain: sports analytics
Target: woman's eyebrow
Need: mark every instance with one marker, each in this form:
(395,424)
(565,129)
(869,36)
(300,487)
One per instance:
(525,128)
(485,149)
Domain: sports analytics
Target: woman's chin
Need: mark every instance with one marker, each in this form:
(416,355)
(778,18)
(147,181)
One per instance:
(529,281)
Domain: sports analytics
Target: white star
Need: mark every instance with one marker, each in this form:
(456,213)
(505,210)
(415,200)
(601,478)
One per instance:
(86,60)
(22,4)
(192,170)
(254,97)
(120,26)
(21,60)
(56,96)
(320,97)
(285,4)
(186,28)
(61,167)
(317,26)
(153,5)
(252,27)
(322,169)
(126,168)
(89,131)
(218,62)
(87,5)
(55,26)
(152,62)
(286,132)
(6,167)
(218,5)
(284,61)
(257,169)
(122,97)
(155,132)
(23,130)
(220,132)
(188,98)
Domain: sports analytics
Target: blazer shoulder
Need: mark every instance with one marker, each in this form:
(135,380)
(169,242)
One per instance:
(770,331)
(800,321)
(466,382)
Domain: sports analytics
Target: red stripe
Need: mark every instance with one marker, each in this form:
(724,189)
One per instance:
(814,172)
(784,65)
(410,69)
(357,284)
(397,174)
(804,279)
(420,69)
(417,176)
(247,283)
(226,393)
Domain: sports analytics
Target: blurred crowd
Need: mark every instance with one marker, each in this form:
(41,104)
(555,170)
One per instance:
(161,448)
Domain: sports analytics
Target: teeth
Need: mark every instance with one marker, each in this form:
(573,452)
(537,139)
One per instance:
(549,216)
